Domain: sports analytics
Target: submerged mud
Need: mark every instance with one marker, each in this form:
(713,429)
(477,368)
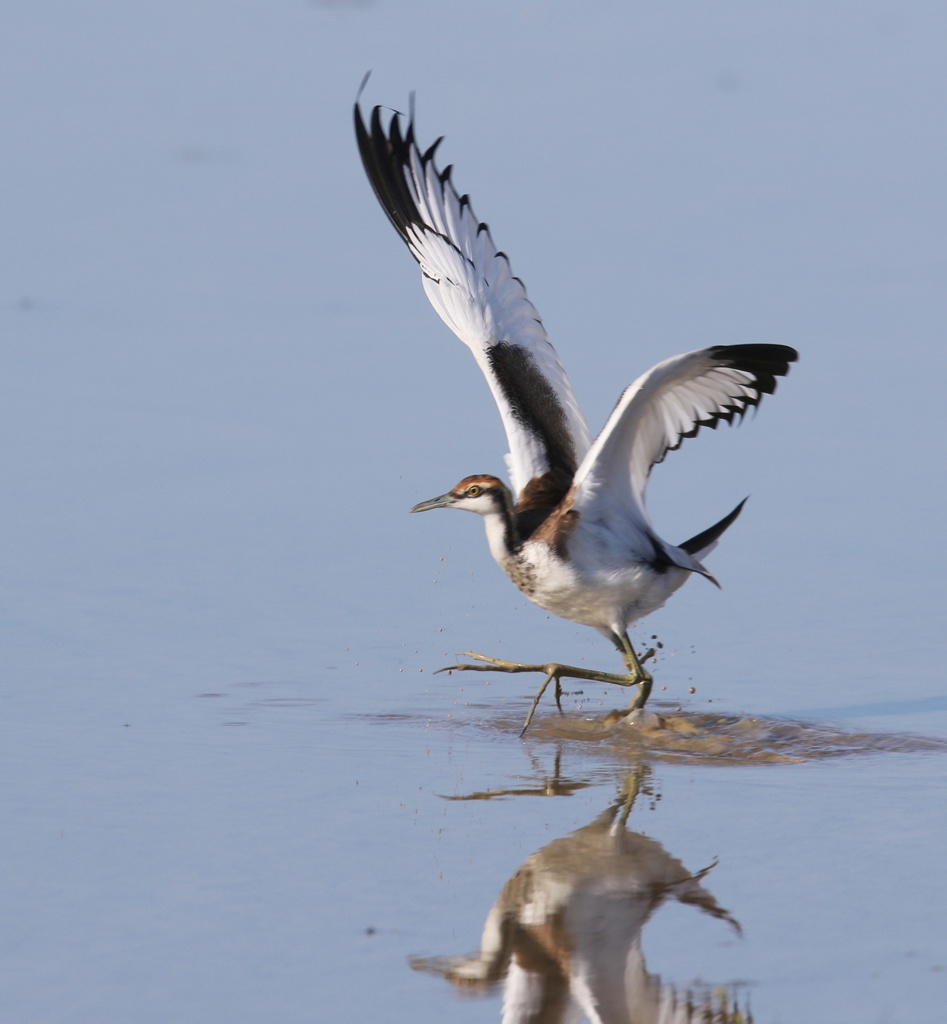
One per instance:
(670,733)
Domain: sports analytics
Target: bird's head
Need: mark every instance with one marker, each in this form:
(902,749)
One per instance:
(483,494)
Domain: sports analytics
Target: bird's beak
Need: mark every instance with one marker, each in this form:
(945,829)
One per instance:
(442,501)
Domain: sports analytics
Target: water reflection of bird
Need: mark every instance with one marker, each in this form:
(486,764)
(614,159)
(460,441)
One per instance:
(565,933)
(573,534)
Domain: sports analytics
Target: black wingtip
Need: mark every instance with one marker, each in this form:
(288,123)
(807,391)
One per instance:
(765,362)
(361,88)
(432,149)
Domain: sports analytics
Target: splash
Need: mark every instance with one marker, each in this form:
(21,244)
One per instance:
(676,735)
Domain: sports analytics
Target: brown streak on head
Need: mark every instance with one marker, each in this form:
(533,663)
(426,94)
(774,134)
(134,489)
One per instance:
(485,480)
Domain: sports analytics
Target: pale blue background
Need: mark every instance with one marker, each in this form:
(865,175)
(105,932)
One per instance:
(222,388)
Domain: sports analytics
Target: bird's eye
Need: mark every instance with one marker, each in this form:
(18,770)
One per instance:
(473,490)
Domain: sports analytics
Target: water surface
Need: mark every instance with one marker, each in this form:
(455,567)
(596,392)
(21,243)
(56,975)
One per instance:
(233,787)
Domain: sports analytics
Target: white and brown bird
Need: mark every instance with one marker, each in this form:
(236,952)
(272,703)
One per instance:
(573,532)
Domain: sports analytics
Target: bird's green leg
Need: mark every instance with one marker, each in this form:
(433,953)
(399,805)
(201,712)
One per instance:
(539,693)
(553,669)
(640,675)
(637,676)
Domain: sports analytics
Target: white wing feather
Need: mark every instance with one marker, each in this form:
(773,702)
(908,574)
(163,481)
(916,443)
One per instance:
(469,283)
(662,407)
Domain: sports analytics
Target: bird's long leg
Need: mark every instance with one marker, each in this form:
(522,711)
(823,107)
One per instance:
(539,693)
(554,671)
(635,668)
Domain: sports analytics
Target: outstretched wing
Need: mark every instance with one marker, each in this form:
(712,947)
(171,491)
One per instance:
(654,415)
(470,284)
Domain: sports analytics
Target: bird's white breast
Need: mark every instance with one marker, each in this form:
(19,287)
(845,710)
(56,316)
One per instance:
(595,591)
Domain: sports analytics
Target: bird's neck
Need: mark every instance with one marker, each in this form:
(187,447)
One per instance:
(502,534)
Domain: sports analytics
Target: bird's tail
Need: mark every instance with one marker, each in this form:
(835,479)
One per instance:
(703,543)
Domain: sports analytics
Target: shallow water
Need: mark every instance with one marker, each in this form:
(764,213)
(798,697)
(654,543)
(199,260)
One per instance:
(233,788)
(671,734)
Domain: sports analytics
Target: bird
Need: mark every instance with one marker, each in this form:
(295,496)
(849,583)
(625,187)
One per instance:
(571,530)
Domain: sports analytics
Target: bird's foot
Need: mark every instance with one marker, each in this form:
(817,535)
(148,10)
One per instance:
(554,671)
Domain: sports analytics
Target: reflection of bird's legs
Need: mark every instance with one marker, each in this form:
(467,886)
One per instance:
(637,676)
(631,787)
